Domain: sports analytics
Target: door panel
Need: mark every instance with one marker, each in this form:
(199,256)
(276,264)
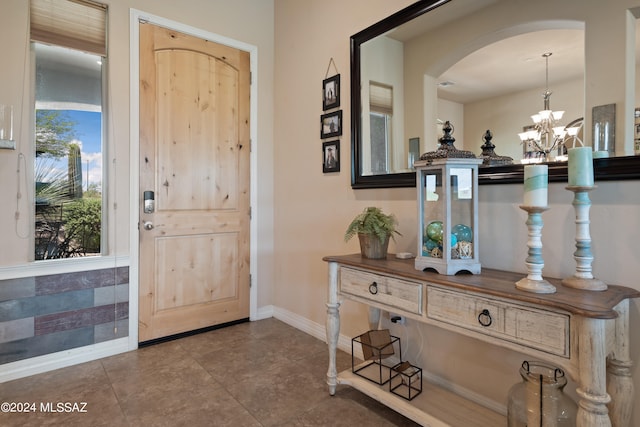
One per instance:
(194,154)
(195,270)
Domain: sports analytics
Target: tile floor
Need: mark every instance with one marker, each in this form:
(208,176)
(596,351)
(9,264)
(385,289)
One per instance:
(263,373)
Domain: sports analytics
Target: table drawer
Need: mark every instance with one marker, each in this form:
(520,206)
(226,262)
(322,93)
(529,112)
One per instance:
(398,293)
(544,330)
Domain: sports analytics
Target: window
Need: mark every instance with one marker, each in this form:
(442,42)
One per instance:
(69,46)
(380,114)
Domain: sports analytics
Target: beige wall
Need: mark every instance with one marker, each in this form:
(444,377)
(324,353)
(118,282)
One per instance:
(313,209)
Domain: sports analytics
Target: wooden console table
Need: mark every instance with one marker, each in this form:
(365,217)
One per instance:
(585,333)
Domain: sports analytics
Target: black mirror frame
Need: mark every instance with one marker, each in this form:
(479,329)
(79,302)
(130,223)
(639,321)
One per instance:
(606,169)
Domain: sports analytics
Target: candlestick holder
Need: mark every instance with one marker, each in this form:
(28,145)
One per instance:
(534,281)
(583,278)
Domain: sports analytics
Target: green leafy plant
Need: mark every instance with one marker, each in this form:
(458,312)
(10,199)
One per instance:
(373,221)
(82,224)
(66,225)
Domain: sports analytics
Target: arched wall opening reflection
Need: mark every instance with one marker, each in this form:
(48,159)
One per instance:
(484,94)
(479,94)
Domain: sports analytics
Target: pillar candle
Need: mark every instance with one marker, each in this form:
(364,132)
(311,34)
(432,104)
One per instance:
(581,167)
(535,185)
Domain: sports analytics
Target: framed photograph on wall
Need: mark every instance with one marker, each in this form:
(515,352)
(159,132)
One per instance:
(331,92)
(331,124)
(331,156)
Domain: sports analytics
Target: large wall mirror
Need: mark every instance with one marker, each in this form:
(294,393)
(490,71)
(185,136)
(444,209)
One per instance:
(480,64)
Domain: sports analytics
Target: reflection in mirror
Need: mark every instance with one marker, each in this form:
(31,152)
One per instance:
(479,64)
(485,94)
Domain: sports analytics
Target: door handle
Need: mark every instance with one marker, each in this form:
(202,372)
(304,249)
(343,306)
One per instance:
(148,225)
(149,202)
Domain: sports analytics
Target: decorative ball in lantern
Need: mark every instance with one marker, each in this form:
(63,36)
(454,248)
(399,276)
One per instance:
(462,232)
(434,231)
(430,244)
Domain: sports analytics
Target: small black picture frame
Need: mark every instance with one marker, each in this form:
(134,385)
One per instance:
(331,92)
(331,124)
(331,156)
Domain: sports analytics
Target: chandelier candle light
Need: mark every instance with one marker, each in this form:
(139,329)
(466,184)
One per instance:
(536,178)
(580,183)
(546,134)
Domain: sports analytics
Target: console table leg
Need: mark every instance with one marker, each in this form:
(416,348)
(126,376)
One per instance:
(374,318)
(620,387)
(592,390)
(333,327)
(619,381)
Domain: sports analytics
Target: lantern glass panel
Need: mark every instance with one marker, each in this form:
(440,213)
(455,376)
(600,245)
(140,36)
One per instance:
(433,212)
(462,211)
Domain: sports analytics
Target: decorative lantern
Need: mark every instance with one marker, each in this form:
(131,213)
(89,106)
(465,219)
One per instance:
(447,184)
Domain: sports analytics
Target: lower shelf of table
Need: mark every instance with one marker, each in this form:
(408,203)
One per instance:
(434,407)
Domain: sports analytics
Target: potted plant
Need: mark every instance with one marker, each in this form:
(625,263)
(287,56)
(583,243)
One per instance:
(374,228)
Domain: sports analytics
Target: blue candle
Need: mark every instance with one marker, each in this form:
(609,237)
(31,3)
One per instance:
(536,178)
(581,167)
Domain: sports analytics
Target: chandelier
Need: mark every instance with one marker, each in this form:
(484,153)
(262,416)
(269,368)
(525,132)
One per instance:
(546,135)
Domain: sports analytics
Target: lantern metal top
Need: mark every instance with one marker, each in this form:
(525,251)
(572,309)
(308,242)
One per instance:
(447,150)
(489,156)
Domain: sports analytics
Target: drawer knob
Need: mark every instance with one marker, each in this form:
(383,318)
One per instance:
(373,288)
(484,318)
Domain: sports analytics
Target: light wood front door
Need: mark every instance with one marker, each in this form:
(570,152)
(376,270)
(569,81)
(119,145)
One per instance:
(194,156)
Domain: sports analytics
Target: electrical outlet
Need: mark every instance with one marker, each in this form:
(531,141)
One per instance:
(396,318)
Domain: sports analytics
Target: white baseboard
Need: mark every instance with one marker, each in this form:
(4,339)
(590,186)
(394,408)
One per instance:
(49,362)
(478,398)
(62,359)
(344,343)
(263,313)
(302,323)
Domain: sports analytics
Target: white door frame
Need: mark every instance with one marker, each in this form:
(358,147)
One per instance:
(134,156)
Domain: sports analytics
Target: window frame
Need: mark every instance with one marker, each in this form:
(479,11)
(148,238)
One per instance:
(60,13)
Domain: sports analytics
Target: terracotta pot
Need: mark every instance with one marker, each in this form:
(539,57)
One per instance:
(370,246)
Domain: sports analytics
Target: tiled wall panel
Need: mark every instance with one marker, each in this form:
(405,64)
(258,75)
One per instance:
(111,331)
(17,288)
(47,314)
(16,329)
